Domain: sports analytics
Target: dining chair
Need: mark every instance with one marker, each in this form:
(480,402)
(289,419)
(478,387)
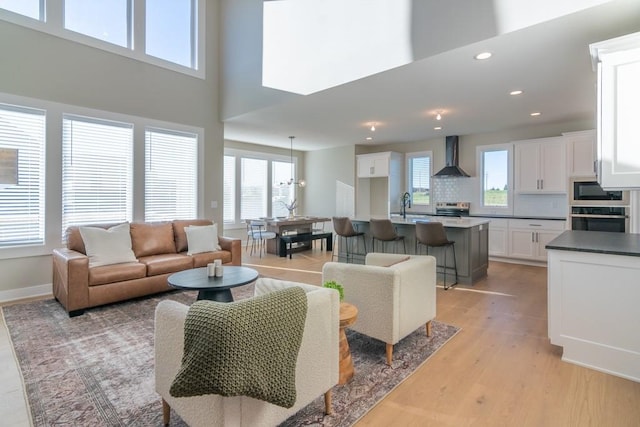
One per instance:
(257,232)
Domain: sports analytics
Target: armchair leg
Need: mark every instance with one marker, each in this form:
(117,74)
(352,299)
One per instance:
(429,328)
(166,412)
(389,354)
(327,403)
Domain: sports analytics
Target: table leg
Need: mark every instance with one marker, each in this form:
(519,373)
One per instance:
(219,295)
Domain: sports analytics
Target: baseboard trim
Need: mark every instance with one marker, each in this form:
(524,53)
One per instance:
(24,293)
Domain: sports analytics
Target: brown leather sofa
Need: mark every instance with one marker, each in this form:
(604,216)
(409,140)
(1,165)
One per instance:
(160,249)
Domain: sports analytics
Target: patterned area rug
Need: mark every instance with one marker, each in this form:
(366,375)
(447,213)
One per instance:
(97,369)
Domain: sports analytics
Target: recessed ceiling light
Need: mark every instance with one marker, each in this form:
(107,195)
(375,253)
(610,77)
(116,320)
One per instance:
(483,55)
(437,128)
(535,114)
(516,92)
(369,138)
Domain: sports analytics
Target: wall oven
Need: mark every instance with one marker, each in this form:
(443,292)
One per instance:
(600,218)
(587,192)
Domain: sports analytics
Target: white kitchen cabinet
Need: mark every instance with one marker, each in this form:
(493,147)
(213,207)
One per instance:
(581,153)
(498,237)
(374,165)
(380,183)
(528,238)
(618,66)
(540,166)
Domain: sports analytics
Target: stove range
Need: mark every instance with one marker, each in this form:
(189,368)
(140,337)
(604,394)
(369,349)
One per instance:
(455,209)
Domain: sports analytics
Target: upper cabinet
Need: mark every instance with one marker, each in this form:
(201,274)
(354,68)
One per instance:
(581,153)
(540,166)
(374,164)
(618,125)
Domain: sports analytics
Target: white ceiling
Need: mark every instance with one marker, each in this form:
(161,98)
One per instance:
(549,61)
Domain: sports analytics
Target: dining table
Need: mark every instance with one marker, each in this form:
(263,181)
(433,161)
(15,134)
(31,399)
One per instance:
(290,225)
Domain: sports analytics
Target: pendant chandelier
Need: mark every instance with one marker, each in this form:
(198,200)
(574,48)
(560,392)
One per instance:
(292,180)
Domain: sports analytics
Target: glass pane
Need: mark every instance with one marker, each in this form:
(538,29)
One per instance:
(496,172)
(282,192)
(171,176)
(229,214)
(30,8)
(253,188)
(420,180)
(170,30)
(22,147)
(97,171)
(104,20)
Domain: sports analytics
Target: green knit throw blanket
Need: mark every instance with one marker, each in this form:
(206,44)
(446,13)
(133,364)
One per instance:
(244,348)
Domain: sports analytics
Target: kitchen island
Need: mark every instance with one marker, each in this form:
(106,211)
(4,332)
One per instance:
(593,296)
(470,234)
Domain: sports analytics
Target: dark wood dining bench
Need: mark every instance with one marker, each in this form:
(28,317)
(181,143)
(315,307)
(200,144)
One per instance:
(287,241)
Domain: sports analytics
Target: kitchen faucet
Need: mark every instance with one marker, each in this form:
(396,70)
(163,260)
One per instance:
(406,200)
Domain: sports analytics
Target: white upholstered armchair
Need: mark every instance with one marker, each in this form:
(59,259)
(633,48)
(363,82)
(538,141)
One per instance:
(394,294)
(316,367)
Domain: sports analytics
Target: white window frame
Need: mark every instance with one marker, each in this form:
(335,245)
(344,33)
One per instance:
(35,201)
(53,23)
(238,222)
(53,167)
(420,207)
(494,210)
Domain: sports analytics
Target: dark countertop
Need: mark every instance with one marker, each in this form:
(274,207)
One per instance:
(597,241)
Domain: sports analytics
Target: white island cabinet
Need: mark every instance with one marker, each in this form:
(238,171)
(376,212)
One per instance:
(593,297)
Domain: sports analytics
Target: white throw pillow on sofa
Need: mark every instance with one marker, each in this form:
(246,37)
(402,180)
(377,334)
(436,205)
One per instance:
(105,247)
(202,238)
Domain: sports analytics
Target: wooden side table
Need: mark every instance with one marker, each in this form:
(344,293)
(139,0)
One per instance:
(348,315)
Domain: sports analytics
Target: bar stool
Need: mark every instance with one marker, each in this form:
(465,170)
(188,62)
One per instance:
(384,231)
(432,234)
(344,228)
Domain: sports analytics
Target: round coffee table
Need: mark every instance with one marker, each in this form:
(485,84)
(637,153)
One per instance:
(213,288)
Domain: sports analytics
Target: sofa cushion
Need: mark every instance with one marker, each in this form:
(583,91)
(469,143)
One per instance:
(179,234)
(110,246)
(201,260)
(202,238)
(152,238)
(116,273)
(167,263)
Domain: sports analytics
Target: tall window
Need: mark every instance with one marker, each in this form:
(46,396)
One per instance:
(171,175)
(229,208)
(171,30)
(22,147)
(419,178)
(253,188)
(282,193)
(496,177)
(147,30)
(105,20)
(31,8)
(96,171)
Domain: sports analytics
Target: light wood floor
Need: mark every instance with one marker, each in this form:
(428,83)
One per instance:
(500,370)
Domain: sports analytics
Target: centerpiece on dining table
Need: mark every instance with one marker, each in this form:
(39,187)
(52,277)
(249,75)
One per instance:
(291,207)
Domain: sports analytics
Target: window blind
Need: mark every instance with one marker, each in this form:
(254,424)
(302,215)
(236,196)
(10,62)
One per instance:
(420,170)
(282,193)
(253,188)
(22,136)
(97,165)
(171,175)
(229,214)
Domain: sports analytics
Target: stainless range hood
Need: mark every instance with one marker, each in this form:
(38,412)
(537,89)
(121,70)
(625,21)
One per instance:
(451,169)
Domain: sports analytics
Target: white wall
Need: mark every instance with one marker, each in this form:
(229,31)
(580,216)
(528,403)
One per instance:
(41,66)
